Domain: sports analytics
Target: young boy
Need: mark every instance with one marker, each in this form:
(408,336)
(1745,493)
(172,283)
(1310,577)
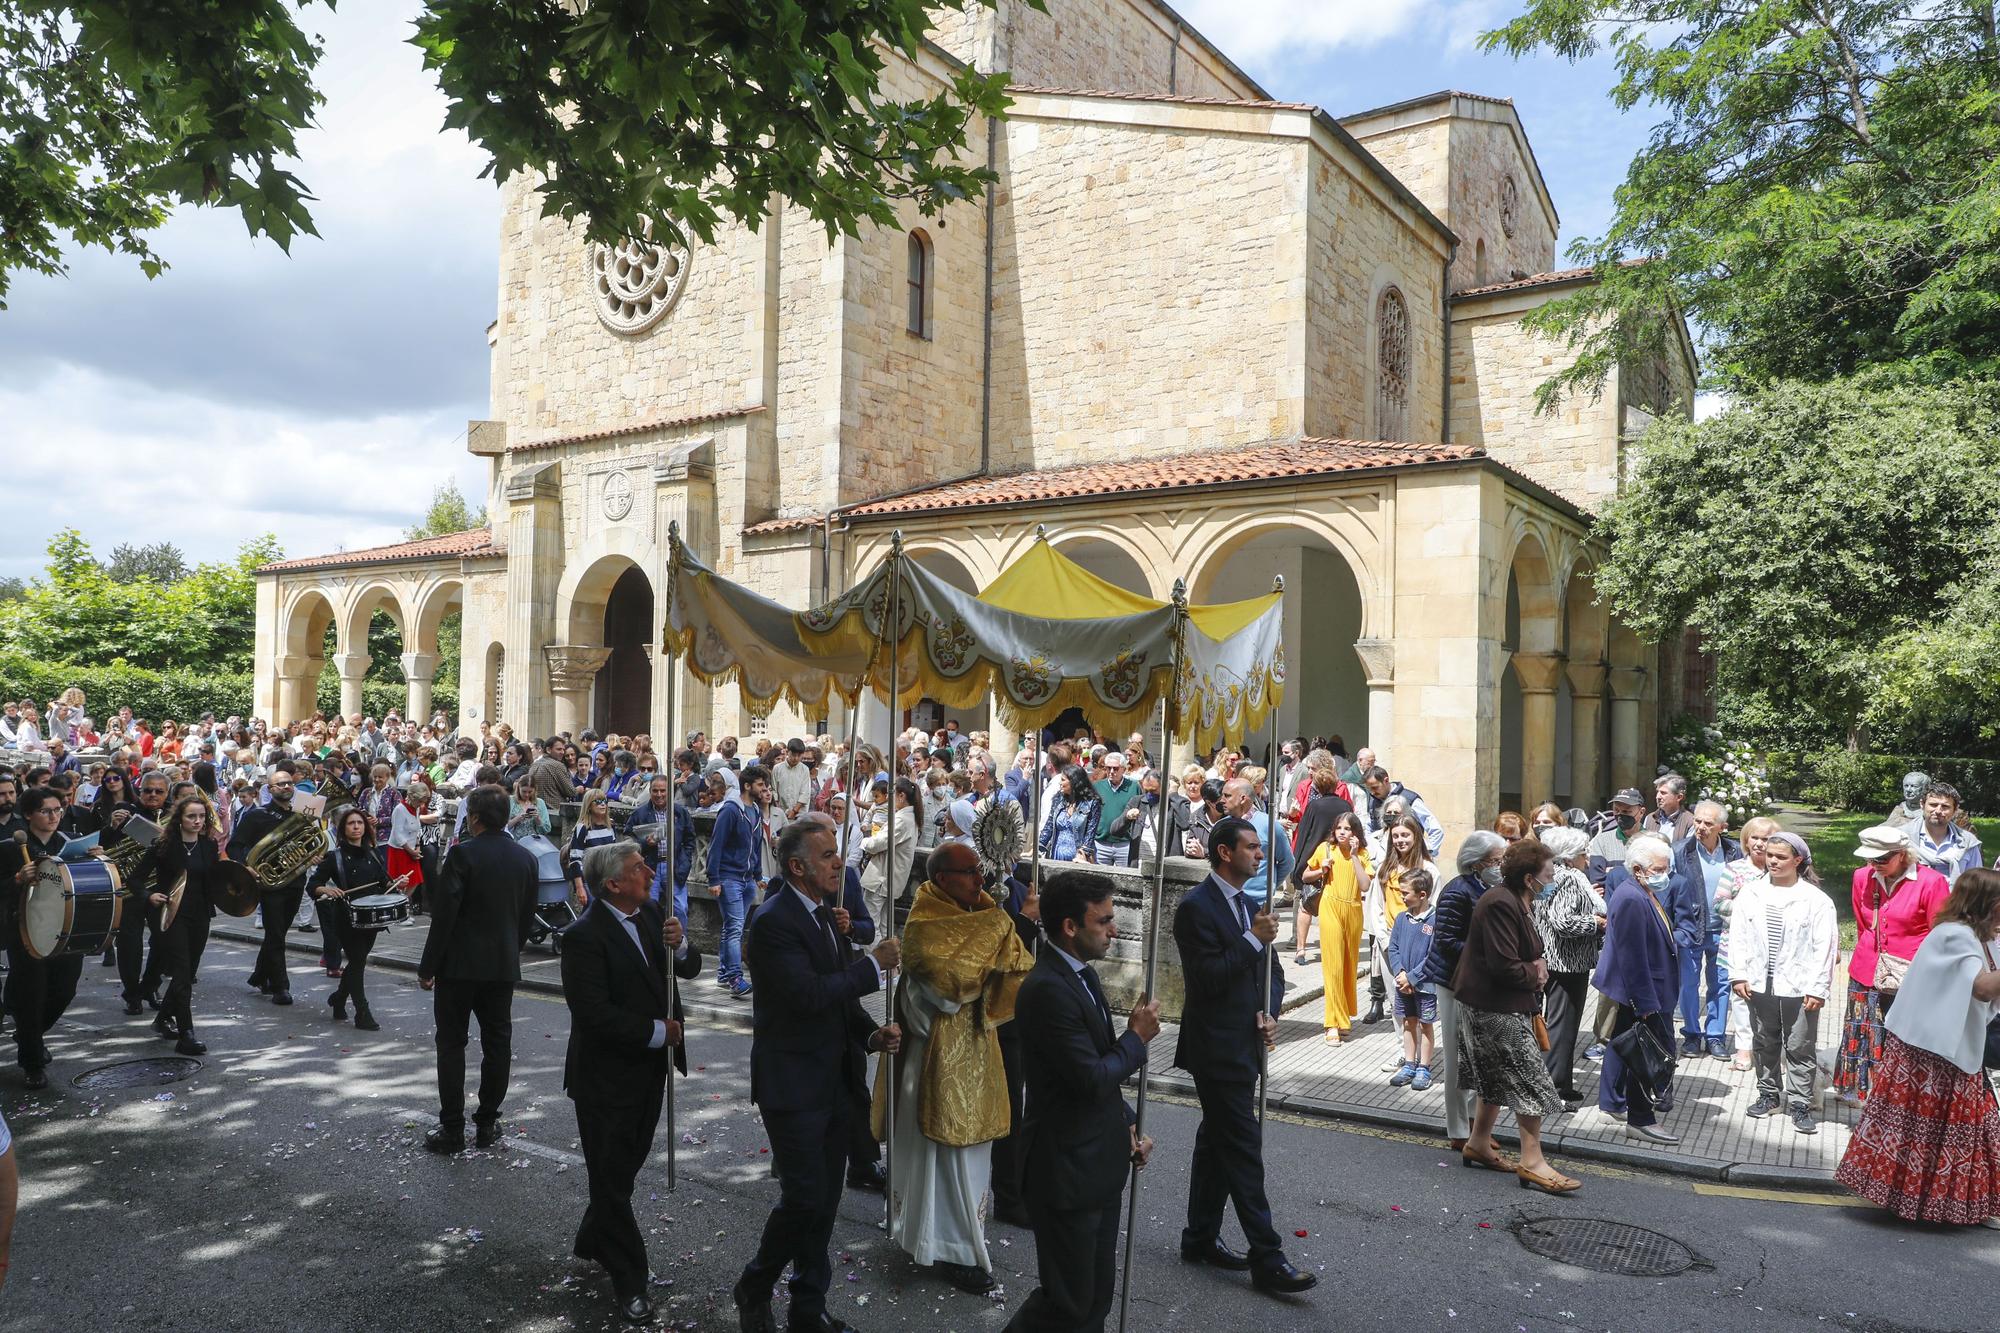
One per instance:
(1416,1004)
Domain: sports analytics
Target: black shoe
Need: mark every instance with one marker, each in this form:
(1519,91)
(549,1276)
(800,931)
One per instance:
(109,960)
(281,997)
(365,1021)
(485,1133)
(133,1008)
(338,1003)
(1693,1048)
(1281,1279)
(826,1323)
(445,1141)
(37,1079)
(163,1028)
(1803,1122)
(753,1315)
(1762,1107)
(258,983)
(973,1281)
(636,1309)
(153,999)
(1651,1134)
(1215,1255)
(867,1177)
(1374,1014)
(187,1045)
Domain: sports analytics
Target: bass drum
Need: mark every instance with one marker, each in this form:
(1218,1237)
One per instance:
(73,907)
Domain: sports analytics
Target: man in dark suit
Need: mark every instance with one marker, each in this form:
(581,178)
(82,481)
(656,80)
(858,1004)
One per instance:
(807,1017)
(1222,940)
(279,905)
(625,1023)
(482,908)
(1079,1135)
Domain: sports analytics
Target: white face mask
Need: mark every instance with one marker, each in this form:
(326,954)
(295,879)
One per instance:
(1490,876)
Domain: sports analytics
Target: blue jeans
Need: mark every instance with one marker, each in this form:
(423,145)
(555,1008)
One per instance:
(1699,966)
(680,899)
(736,899)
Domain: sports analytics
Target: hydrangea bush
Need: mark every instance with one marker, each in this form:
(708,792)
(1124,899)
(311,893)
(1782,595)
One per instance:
(1718,769)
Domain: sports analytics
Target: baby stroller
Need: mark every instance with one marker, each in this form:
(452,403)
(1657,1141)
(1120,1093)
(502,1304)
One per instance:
(553,910)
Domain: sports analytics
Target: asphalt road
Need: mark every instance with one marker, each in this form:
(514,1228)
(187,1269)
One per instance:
(283,1187)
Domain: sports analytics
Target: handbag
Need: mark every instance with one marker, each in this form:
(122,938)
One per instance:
(1648,1063)
(1889,968)
(1541,1030)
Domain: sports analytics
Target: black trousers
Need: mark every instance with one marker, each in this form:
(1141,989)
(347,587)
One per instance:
(1007,1164)
(279,909)
(616,1141)
(333,934)
(38,991)
(178,952)
(1562,1009)
(1229,1168)
(351,950)
(456,1004)
(862,1148)
(1076,1261)
(134,926)
(807,1149)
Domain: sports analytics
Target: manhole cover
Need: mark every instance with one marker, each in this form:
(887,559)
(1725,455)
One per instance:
(1607,1247)
(138,1073)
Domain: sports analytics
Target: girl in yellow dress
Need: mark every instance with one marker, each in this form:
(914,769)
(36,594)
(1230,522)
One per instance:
(1338,871)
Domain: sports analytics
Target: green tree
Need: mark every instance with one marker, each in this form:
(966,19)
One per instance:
(161,562)
(639,118)
(1836,547)
(448,513)
(1822,198)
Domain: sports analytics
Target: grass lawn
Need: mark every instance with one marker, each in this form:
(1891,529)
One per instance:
(1833,836)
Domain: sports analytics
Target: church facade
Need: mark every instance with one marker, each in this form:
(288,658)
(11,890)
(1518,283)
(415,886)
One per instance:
(1193,333)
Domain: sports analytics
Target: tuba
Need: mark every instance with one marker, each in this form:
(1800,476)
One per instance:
(295,846)
(125,856)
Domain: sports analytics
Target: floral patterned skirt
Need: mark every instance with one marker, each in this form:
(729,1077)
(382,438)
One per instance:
(1928,1145)
(1861,1035)
(1499,1059)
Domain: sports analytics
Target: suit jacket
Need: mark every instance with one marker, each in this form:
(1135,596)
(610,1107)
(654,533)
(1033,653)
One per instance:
(615,996)
(481,909)
(1223,974)
(1684,904)
(809,1029)
(1076,1134)
(1687,865)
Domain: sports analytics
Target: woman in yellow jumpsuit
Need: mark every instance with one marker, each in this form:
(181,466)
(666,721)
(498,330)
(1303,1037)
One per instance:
(1338,870)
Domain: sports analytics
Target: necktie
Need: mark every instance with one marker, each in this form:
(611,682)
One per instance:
(825,917)
(1096,993)
(1242,909)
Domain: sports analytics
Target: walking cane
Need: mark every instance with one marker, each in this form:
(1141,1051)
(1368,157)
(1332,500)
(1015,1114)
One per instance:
(1169,716)
(1270,862)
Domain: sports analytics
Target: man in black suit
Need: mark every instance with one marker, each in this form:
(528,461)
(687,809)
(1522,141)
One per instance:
(1222,940)
(807,1017)
(481,910)
(280,905)
(625,1022)
(1079,1135)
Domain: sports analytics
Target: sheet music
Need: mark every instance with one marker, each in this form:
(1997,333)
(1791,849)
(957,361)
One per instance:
(77,849)
(309,803)
(141,830)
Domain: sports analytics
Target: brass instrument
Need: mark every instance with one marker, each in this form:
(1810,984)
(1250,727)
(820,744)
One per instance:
(125,856)
(287,851)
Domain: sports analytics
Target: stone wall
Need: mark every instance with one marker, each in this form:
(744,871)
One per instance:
(1486,157)
(1109,45)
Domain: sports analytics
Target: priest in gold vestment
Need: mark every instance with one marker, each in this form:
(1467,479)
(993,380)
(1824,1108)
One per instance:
(963,963)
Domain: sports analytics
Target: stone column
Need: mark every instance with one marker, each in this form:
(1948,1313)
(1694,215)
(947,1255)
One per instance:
(572,674)
(1628,687)
(298,688)
(1378,660)
(353,669)
(1586,734)
(419,669)
(535,558)
(1538,674)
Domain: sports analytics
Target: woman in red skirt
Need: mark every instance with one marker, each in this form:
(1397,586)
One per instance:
(1928,1146)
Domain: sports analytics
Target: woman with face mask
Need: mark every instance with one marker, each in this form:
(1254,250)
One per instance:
(1639,972)
(1478,870)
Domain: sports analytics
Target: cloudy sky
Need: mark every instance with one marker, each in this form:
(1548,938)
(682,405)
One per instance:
(323,395)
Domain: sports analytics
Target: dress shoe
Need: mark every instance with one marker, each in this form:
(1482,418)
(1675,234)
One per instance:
(338,1003)
(281,997)
(486,1134)
(163,1028)
(37,1079)
(1281,1279)
(1651,1134)
(445,1141)
(1693,1048)
(153,999)
(1215,1255)
(636,1309)
(826,1323)
(869,1176)
(133,1008)
(365,1021)
(187,1045)
(1716,1050)
(753,1315)
(967,1278)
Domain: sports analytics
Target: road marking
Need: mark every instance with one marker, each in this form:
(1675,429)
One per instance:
(404,1115)
(1781,1196)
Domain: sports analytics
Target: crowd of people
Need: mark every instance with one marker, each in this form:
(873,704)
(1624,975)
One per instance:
(1612,930)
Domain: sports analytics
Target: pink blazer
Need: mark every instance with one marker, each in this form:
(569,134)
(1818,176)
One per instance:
(1907,916)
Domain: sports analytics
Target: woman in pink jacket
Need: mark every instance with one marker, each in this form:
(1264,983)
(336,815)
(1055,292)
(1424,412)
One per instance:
(1897,899)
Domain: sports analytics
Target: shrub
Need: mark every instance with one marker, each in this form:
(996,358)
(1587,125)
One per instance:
(1718,769)
(178,693)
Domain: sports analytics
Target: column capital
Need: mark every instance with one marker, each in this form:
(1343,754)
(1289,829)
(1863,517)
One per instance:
(419,666)
(573,667)
(1538,672)
(1628,683)
(297,664)
(1586,679)
(1378,659)
(352,666)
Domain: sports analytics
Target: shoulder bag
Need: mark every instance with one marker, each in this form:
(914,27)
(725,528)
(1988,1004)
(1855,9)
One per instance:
(1890,969)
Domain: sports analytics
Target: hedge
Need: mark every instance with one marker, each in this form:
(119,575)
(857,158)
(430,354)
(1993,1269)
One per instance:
(1860,781)
(180,693)
(380,696)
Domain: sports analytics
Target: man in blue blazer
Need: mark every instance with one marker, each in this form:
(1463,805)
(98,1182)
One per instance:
(1227,1016)
(809,1029)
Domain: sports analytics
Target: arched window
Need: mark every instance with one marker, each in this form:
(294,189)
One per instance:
(1479,262)
(496,683)
(920,285)
(1392,365)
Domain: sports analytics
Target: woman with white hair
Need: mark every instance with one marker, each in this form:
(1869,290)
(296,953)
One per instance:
(1570,918)
(1639,971)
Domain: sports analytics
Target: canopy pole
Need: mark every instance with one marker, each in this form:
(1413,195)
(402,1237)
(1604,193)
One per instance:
(1270,860)
(889,886)
(673,810)
(1035,832)
(1169,719)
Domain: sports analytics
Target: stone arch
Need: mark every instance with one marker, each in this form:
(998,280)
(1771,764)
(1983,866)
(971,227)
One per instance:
(302,628)
(1534,601)
(1356,548)
(434,601)
(360,608)
(1531,683)
(946,563)
(591,570)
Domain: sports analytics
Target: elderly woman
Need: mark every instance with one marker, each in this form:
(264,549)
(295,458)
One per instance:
(1928,1145)
(1570,917)
(1737,876)
(1896,898)
(1639,971)
(1478,870)
(1785,940)
(1498,986)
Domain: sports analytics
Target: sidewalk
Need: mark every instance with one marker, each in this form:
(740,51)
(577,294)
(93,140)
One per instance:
(1349,1081)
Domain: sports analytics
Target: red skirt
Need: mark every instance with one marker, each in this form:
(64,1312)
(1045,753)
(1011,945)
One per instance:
(1928,1145)
(401,863)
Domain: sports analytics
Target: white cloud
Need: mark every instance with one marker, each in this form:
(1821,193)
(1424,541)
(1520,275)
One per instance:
(1283,30)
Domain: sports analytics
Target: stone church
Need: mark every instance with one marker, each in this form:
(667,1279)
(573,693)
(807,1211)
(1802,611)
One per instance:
(1193,332)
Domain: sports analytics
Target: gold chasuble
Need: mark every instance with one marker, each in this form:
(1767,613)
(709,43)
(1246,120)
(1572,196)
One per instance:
(977,961)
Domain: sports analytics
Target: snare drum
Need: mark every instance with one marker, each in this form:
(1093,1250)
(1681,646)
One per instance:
(378,910)
(72,908)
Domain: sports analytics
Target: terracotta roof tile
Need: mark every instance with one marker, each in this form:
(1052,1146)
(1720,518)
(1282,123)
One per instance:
(773,526)
(453,545)
(635,428)
(1537,280)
